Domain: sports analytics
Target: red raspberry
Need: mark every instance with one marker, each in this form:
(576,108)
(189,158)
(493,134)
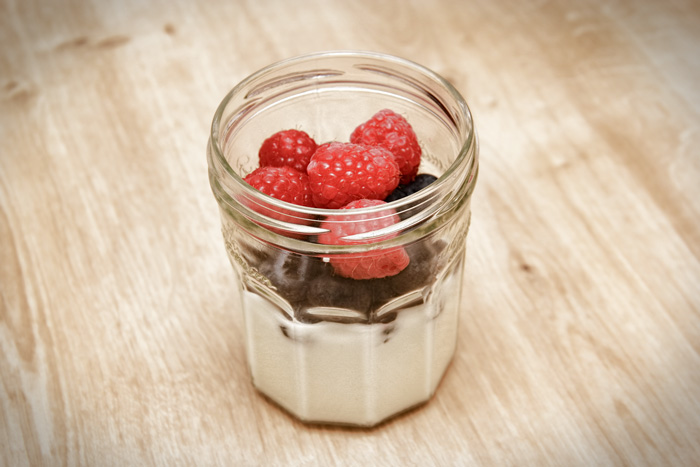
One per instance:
(292,148)
(390,130)
(344,172)
(285,184)
(373,264)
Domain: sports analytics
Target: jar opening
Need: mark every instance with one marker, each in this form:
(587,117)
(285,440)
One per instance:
(326,95)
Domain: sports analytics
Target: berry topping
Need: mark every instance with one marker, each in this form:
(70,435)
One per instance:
(291,148)
(391,131)
(283,183)
(343,172)
(339,292)
(421,181)
(422,270)
(290,274)
(373,264)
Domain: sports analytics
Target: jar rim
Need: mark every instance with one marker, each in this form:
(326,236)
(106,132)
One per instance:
(468,150)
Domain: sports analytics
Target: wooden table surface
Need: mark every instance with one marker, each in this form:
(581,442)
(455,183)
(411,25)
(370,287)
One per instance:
(579,341)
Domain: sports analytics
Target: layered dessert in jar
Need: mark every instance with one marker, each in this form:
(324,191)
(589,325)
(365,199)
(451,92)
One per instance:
(349,250)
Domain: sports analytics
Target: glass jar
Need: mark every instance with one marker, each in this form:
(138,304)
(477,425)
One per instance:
(327,348)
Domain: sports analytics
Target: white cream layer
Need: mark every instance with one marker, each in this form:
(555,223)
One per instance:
(357,374)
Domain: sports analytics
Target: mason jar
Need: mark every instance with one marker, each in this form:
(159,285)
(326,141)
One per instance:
(328,348)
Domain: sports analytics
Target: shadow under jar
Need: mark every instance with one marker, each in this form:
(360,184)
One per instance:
(326,348)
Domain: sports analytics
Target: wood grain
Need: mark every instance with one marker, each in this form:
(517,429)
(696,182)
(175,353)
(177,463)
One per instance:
(579,342)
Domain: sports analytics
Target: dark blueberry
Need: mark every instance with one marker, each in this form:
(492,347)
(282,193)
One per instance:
(421,270)
(254,253)
(421,181)
(290,273)
(339,292)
